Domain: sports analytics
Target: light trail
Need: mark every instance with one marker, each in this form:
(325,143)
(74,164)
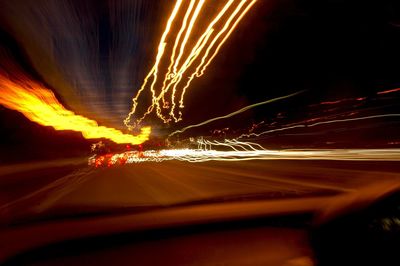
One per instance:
(242,151)
(197,55)
(189,63)
(154,69)
(198,72)
(234,113)
(231,144)
(188,33)
(40,105)
(316,124)
(168,74)
(388,91)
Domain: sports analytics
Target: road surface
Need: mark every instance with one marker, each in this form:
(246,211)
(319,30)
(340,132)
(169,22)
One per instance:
(70,186)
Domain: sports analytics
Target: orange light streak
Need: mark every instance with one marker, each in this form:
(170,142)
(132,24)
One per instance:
(40,105)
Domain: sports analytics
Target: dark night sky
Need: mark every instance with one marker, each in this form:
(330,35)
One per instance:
(333,48)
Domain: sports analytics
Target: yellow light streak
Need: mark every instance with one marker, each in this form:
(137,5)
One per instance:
(198,72)
(188,32)
(154,70)
(40,105)
(200,54)
(168,74)
(177,76)
(189,63)
(156,102)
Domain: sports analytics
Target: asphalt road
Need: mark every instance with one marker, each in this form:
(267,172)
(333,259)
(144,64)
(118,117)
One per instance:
(69,186)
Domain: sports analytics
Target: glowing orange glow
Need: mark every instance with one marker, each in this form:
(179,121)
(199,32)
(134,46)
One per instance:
(191,51)
(40,105)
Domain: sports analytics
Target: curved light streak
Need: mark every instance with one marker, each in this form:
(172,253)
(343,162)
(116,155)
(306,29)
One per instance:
(154,69)
(234,113)
(185,55)
(317,124)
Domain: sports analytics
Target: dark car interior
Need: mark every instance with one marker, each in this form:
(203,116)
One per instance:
(368,234)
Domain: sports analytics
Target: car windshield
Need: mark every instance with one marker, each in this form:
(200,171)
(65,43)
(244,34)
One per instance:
(128,106)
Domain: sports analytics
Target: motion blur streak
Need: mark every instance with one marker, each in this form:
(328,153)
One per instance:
(203,66)
(195,51)
(234,113)
(154,70)
(232,144)
(40,105)
(317,124)
(243,151)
